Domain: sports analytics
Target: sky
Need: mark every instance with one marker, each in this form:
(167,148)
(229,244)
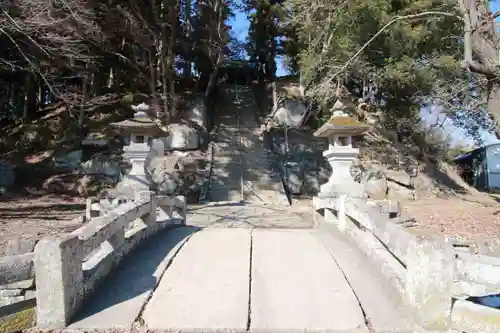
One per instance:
(240,26)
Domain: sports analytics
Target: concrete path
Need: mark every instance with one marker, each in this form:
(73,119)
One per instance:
(239,280)
(207,286)
(261,280)
(297,286)
(119,301)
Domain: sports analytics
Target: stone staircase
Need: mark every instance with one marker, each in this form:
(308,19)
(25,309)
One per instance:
(241,167)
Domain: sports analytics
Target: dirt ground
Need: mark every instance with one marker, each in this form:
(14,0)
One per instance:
(464,219)
(37,216)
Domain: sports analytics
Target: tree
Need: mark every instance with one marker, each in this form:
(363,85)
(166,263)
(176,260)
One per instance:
(87,53)
(482,51)
(263,35)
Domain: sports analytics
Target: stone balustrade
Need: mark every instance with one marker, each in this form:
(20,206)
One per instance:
(434,277)
(69,267)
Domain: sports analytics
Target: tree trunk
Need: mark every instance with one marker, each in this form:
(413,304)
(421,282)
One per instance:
(481,54)
(30,93)
(81,116)
(189,52)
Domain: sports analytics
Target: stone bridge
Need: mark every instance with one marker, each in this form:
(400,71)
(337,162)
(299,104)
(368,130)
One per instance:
(247,267)
(229,275)
(253,263)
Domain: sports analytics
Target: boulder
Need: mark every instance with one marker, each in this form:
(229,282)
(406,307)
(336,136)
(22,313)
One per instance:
(290,113)
(76,184)
(399,193)
(103,165)
(181,137)
(196,112)
(68,160)
(399,176)
(7,175)
(311,184)
(294,177)
(372,172)
(376,189)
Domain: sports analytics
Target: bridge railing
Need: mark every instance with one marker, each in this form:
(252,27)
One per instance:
(434,276)
(69,267)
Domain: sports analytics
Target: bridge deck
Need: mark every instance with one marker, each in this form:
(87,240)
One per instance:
(237,280)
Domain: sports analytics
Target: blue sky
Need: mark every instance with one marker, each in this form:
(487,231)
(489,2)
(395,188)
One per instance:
(240,26)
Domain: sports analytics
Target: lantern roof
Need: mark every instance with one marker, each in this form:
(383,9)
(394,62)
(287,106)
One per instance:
(341,123)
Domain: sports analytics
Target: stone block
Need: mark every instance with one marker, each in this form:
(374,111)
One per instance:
(471,318)
(20,246)
(59,280)
(11,292)
(16,268)
(25,284)
(8,300)
(429,282)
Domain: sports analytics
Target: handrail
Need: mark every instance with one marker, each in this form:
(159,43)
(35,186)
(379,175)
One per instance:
(70,266)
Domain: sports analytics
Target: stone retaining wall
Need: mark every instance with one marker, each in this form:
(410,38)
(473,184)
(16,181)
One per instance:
(434,277)
(69,267)
(17,289)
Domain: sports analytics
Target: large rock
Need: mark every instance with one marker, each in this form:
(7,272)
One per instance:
(290,113)
(399,193)
(77,184)
(196,112)
(399,176)
(376,189)
(294,177)
(68,160)
(7,176)
(103,165)
(181,137)
(311,182)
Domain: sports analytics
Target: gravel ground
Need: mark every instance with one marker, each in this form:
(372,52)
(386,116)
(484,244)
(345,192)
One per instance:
(35,217)
(455,217)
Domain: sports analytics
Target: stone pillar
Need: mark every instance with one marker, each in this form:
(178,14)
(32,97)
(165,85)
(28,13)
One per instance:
(145,196)
(429,282)
(342,218)
(59,280)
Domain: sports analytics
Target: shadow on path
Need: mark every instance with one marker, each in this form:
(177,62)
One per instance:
(128,285)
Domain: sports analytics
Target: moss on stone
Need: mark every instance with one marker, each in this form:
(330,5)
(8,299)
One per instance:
(343,121)
(18,321)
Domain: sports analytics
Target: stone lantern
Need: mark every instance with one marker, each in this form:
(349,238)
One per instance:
(339,131)
(139,133)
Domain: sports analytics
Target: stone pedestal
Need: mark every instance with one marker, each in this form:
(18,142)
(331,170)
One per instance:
(136,179)
(340,159)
